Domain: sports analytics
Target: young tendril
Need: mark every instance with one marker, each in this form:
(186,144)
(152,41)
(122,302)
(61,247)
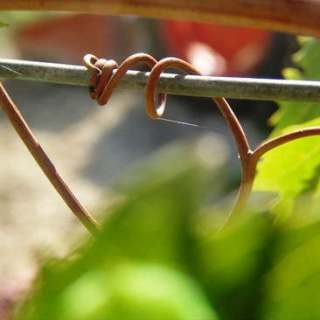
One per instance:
(23,130)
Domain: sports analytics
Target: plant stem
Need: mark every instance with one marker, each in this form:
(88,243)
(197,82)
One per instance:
(298,17)
(44,161)
(236,129)
(247,179)
(250,165)
(238,134)
(286,138)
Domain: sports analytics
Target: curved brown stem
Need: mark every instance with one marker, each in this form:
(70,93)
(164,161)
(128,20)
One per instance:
(249,174)
(295,16)
(237,130)
(245,154)
(231,119)
(223,106)
(247,178)
(44,161)
(288,137)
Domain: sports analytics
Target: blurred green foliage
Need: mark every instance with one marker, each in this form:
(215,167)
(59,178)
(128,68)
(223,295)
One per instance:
(139,265)
(161,254)
(308,68)
(292,170)
(15,18)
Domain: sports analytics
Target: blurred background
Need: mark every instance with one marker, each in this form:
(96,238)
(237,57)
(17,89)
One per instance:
(94,147)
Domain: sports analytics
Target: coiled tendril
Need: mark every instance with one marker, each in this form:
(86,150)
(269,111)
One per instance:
(106,74)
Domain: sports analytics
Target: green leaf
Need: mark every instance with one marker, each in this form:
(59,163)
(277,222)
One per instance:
(292,284)
(137,268)
(290,169)
(230,262)
(3,24)
(21,17)
(295,112)
(153,223)
(134,292)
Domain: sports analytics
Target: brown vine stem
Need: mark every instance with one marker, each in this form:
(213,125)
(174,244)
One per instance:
(255,156)
(26,135)
(225,109)
(248,158)
(285,138)
(223,106)
(294,16)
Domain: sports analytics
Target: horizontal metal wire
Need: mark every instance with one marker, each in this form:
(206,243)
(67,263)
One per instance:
(186,85)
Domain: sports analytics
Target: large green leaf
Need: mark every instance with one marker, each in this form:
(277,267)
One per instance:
(137,268)
(158,257)
(135,292)
(230,262)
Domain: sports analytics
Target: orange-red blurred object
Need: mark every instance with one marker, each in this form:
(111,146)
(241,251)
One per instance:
(214,49)
(68,38)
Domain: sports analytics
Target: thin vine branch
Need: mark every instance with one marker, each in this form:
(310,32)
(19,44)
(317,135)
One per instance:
(283,139)
(223,106)
(48,168)
(294,16)
(256,155)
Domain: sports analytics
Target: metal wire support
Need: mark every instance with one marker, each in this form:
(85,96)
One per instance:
(176,84)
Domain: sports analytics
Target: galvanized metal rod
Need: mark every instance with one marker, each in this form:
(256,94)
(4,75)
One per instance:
(186,85)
